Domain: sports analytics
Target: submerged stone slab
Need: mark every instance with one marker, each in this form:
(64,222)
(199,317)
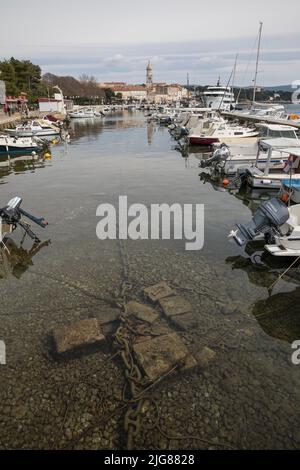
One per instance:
(158,291)
(185,321)
(108,315)
(205,357)
(189,363)
(175,305)
(77,335)
(142,312)
(155,330)
(159,355)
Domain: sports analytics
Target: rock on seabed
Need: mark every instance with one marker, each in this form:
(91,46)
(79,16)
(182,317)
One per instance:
(159,355)
(142,312)
(83,333)
(158,291)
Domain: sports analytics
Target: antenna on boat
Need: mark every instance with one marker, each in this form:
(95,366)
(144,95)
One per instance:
(257,61)
(234,72)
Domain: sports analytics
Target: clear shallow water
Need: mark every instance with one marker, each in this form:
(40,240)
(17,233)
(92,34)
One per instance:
(252,379)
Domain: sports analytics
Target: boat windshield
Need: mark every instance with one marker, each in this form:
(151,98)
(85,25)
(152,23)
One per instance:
(272,133)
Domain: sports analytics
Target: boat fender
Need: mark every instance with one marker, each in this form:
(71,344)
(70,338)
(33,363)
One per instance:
(285,197)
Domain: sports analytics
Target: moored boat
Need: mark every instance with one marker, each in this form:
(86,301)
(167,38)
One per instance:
(257,178)
(38,128)
(84,113)
(219,97)
(209,133)
(14,145)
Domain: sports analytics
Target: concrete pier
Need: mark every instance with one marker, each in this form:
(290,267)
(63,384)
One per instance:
(9,121)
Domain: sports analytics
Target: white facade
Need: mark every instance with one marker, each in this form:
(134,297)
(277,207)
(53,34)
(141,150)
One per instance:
(134,92)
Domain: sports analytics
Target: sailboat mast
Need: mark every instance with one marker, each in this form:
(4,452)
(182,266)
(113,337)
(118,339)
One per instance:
(188,86)
(234,73)
(257,60)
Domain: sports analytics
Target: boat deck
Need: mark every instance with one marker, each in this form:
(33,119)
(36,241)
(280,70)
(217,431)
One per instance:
(257,119)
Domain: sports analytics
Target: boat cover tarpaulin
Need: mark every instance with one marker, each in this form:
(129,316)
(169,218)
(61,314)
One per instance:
(294,184)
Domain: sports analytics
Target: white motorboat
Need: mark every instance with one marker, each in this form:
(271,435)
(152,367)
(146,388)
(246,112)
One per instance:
(232,160)
(84,113)
(257,178)
(210,132)
(34,128)
(13,145)
(275,131)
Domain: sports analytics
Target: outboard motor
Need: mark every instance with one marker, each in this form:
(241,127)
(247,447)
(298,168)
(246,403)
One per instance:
(11,215)
(220,154)
(269,217)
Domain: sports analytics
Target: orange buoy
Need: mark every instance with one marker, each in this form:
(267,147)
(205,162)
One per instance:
(285,197)
(293,117)
(226,182)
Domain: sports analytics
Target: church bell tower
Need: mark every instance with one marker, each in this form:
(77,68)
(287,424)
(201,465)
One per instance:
(149,75)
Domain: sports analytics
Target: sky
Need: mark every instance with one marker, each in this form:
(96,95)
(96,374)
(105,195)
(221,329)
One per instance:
(114,40)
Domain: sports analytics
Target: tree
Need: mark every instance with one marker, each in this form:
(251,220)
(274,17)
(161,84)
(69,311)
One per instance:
(22,76)
(83,91)
(109,95)
(87,79)
(8,75)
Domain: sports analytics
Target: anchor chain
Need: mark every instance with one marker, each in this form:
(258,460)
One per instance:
(124,339)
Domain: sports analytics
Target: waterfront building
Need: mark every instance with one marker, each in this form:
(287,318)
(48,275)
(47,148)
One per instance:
(112,85)
(132,92)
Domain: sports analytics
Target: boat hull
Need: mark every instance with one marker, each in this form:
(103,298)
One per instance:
(194,140)
(44,133)
(17,150)
(263,183)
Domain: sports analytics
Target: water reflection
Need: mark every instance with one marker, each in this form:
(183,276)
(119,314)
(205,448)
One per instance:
(15,259)
(199,152)
(20,164)
(278,315)
(150,131)
(262,268)
(80,128)
(250,197)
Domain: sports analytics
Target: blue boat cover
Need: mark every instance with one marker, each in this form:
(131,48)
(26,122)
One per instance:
(295,184)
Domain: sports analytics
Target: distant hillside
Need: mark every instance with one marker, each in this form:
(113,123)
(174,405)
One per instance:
(288,88)
(74,88)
